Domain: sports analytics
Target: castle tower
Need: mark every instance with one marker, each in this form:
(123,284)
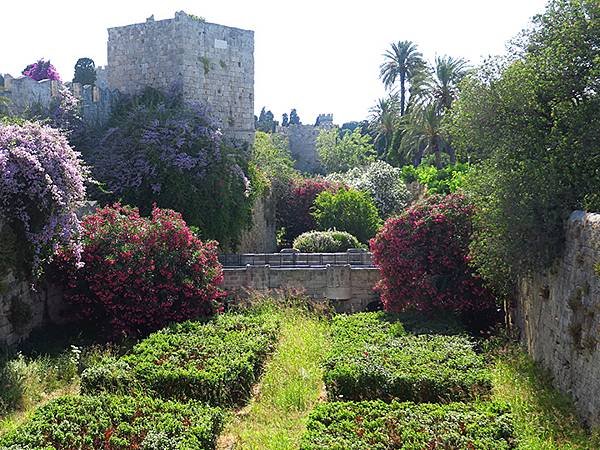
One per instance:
(213,64)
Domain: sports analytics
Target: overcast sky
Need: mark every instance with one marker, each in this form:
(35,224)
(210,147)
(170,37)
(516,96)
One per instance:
(318,56)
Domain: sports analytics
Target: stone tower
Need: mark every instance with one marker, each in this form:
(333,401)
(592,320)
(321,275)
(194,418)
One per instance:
(211,63)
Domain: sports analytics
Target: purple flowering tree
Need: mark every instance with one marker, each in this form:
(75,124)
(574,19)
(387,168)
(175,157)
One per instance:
(42,184)
(41,70)
(160,151)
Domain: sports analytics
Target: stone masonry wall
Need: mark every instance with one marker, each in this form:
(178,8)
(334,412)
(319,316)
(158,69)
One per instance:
(262,236)
(350,289)
(213,64)
(558,313)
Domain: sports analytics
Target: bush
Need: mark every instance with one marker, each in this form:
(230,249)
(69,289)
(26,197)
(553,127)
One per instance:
(380,180)
(139,274)
(42,184)
(215,362)
(438,181)
(41,70)
(325,242)
(109,422)
(159,150)
(423,259)
(377,425)
(372,357)
(293,207)
(341,153)
(347,210)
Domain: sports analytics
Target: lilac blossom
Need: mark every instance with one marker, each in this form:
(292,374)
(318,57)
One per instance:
(41,70)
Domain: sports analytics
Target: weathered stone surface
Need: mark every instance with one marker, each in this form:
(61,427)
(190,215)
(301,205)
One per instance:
(558,313)
(262,236)
(349,288)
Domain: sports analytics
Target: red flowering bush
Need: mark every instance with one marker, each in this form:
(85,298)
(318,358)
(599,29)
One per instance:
(294,206)
(139,274)
(423,259)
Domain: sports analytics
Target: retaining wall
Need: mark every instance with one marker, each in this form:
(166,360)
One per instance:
(558,313)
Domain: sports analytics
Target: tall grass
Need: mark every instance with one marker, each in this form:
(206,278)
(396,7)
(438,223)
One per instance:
(290,387)
(544,418)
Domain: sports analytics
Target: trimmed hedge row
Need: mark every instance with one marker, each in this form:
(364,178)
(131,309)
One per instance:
(376,425)
(372,357)
(216,361)
(110,422)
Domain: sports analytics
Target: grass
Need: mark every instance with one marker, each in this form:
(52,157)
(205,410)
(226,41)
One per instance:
(544,418)
(289,389)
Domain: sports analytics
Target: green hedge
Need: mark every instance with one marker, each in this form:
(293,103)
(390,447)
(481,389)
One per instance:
(331,241)
(89,423)
(376,425)
(216,361)
(373,357)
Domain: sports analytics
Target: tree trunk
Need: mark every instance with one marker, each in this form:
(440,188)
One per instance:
(402,93)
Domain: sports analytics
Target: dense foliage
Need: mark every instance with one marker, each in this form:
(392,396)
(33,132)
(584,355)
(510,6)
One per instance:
(447,180)
(347,210)
(215,362)
(382,181)
(341,153)
(41,70)
(423,258)
(85,71)
(533,118)
(376,425)
(42,184)
(325,242)
(108,422)
(372,357)
(138,273)
(294,206)
(158,150)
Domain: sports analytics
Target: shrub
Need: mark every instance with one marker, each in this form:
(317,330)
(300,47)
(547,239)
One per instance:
(383,182)
(159,150)
(373,357)
(293,207)
(446,180)
(42,184)
(140,274)
(423,259)
(325,242)
(347,210)
(41,70)
(340,153)
(376,425)
(216,362)
(109,422)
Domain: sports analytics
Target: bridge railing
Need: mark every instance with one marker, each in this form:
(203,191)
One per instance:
(296,259)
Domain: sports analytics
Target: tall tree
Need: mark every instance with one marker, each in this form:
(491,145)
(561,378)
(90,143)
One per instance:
(85,71)
(402,63)
(442,86)
(424,134)
(285,121)
(294,118)
(384,121)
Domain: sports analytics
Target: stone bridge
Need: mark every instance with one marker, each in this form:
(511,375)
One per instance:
(345,279)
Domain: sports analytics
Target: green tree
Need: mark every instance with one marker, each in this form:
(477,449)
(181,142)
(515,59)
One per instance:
(424,134)
(266,121)
(402,63)
(285,121)
(384,122)
(442,86)
(294,118)
(533,120)
(339,154)
(85,71)
(272,156)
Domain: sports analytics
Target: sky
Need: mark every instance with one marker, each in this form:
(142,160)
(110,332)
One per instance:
(318,56)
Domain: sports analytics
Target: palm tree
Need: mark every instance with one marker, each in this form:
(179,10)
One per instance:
(442,86)
(383,121)
(402,62)
(423,134)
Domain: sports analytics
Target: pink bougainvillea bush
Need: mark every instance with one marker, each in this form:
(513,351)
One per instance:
(423,259)
(138,273)
(42,184)
(41,70)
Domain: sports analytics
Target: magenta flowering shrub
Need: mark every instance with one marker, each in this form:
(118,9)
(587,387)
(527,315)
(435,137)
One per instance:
(42,183)
(140,273)
(41,70)
(158,150)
